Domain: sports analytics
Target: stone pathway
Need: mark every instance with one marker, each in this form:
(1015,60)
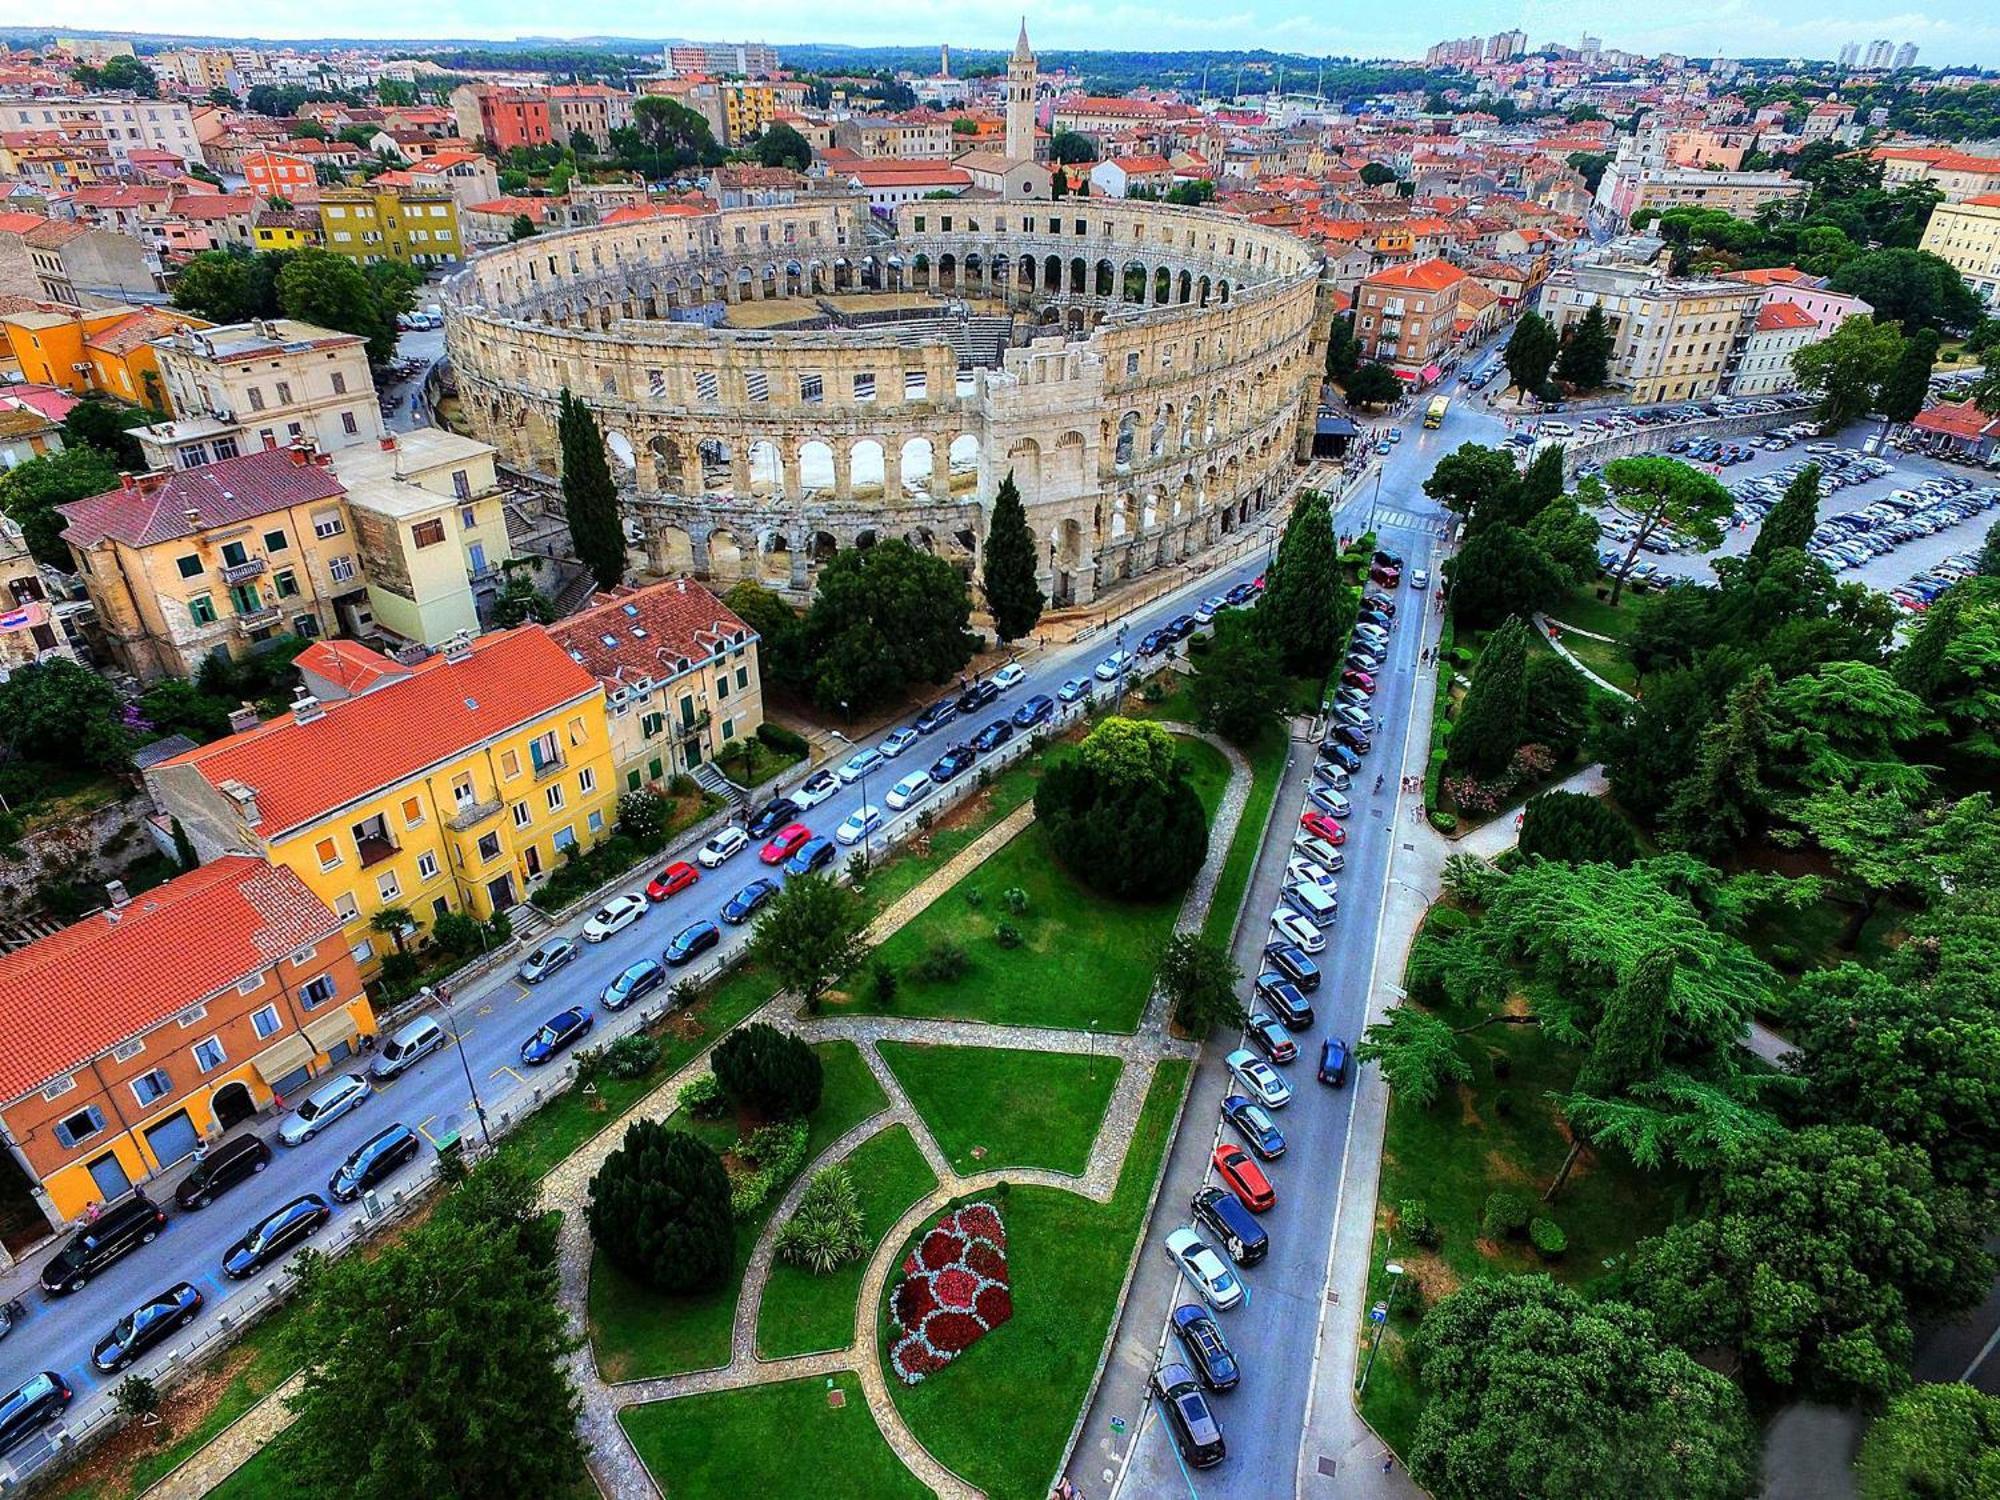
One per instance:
(1542,623)
(229,1449)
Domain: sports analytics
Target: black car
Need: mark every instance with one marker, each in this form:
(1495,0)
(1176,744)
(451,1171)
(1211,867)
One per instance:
(1153,642)
(978,696)
(1293,963)
(934,718)
(957,759)
(1180,627)
(31,1406)
(373,1160)
(772,816)
(119,1230)
(1354,737)
(1341,755)
(1200,1338)
(1387,560)
(1368,616)
(296,1222)
(742,906)
(1285,999)
(1243,593)
(690,943)
(1271,1039)
(1196,1432)
(1222,1214)
(993,736)
(225,1166)
(145,1325)
(1037,710)
(1333,1062)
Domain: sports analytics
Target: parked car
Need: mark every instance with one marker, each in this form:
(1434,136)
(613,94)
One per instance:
(1075,688)
(323,1106)
(545,960)
(1318,850)
(1253,1122)
(146,1325)
(773,814)
(411,1044)
(1333,1062)
(1209,1273)
(992,737)
(35,1403)
(934,718)
(898,741)
(291,1225)
(1200,1338)
(1112,665)
(810,855)
(374,1161)
(954,762)
(786,842)
(1294,928)
(978,696)
(1363,680)
(614,916)
(1037,710)
(562,1030)
(858,765)
(1328,801)
(692,941)
(1320,826)
(815,789)
(1284,999)
(911,790)
(723,845)
(122,1228)
(1353,713)
(1220,1214)
(1355,738)
(1009,677)
(1197,1434)
(634,982)
(1243,1177)
(858,824)
(742,906)
(239,1160)
(1342,756)
(1258,1079)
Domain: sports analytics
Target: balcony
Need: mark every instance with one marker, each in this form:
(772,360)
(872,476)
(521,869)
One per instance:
(242,572)
(544,769)
(374,848)
(258,619)
(473,814)
(692,728)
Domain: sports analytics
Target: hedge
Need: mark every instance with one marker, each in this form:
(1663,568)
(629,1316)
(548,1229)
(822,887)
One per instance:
(780,738)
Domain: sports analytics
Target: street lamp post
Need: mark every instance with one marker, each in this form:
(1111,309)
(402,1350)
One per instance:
(1118,705)
(1380,1312)
(478,1106)
(864,791)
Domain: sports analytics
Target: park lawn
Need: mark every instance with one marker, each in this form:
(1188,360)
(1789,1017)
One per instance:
(636,1332)
(1016,1108)
(776,1442)
(1606,658)
(1208,772)
(1267,769)
(803,1313)
(1000,1415)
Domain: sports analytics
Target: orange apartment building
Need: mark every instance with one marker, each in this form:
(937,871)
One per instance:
(1407,317)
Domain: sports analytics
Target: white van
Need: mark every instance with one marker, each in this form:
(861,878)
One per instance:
(911,790)
(402,1051)
(1316,905)
(1554,429)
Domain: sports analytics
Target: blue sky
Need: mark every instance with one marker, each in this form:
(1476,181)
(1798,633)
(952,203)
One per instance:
(1947,31)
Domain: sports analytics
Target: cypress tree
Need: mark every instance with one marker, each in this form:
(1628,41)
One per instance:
(1790,522)
(590,497)
(1902,394)
(1489,726)
(1303,595)
(1585,360)
(1013,594)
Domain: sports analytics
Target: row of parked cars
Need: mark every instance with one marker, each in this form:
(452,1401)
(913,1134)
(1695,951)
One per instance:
(1918,592)
(1223,1235)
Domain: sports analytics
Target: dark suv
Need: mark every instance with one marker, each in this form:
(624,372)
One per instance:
(224,1167)
(119,1230)
(31,1406)
(1201,1340)
(1223,1215)
(372,1161)
(1196,1432)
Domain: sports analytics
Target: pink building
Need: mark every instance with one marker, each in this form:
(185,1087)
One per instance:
(1789,284)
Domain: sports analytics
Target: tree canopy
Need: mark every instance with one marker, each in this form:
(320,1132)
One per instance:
(1013,592)
(884,617)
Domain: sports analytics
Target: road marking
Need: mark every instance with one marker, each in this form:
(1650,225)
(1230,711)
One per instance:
(503,1068)
(1980,1358)
(423,1127)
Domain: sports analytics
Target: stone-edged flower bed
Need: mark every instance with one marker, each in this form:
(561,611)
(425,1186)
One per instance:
(954,1292)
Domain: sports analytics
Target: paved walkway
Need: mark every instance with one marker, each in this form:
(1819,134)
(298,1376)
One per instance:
(1555,640)
(229,1449)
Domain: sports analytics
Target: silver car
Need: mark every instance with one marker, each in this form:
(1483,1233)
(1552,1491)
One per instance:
(323,1106)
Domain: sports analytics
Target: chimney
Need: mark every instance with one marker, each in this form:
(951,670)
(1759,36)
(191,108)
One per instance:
(306,708)
(243,796)
(459,647)
(243,716)
(119,896)
(192,515)
(129,483)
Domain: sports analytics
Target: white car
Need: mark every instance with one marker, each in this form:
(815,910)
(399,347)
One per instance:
(898,741)
(1293,928)
(814,790)
(615,915)
(1010,677)
(859,764)
(1319,851)
(1210,1274)
(1421,579)
(1299,871)
(726,844)
(911,790)
(1112,665)
(1356,714)
(322,1107)
(1329,801)
(1258,1079)
(860,823)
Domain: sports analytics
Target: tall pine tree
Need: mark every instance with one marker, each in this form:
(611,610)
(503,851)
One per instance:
(1013,594)
(1631,1035)
(590,498)
(1790,522)
(1902,395)
(1585,360)
(1306,608)
(1490,724)
(1530,352)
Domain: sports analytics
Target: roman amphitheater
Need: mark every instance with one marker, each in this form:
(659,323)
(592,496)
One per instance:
(777,383)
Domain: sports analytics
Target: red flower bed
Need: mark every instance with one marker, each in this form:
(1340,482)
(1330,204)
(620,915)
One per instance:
(954,1291)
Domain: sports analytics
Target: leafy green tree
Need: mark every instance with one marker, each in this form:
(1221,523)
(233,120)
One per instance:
(1558,705)
(1936,1442)
(1912,287)
(1689,1119)
(1489,725)
(882,618)
(782,146)
(1592,165)
(1718,805)
(771,1072)
(519,601)
(780,632)
(1069,148)
(1089,803)
(590,496)
(1840,725)
(107,426)
(1239,686)
(1575,828)
(1846,369)
(453,1330)
(1500,572)
(1790,522)
(176,706)
(1478,483)
(1531,351)
(1630,1039)
(1418,1053)
(1013,593)
(1533,1391)
(808,935)
(1200,982)
(1584,360)
(1952,662)
(522,228)
(1567,535)
(63,714)
(1130,753)
(331,291)
(1374,384)
(665,137)
(1301,613)
(1817,1249)
(1664,492)
(1343,350)
(1989,553)
(231,286)
(1908,383)
(30,493)
(1377,174)
(659,1210)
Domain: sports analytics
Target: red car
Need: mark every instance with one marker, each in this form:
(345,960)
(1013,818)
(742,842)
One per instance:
(1355,677)
(785,843)
(1243,1177)
(1389,578)
(674,879)
(1320,826)
(1382,602)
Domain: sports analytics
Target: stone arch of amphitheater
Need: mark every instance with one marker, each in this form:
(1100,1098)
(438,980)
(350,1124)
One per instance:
(776,384)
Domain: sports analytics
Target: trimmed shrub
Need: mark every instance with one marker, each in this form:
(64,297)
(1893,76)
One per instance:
(1415,1217)
(659,1210)
(1016,900)
(778,1151)
(1506,1216)
(769,1071)
(782,739)
(974,897)
(882,974)
(1444,822)
(631,1056)
(1547,1236)
(1007,935)
(944,963)
(704,1099)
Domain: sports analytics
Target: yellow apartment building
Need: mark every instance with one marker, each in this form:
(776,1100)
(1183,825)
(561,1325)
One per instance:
(415,226)
(1968,235)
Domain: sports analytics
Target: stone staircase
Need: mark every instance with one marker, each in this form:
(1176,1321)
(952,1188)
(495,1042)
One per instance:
(712,781)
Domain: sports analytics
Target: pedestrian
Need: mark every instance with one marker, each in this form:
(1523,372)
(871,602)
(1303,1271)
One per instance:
(1388,1464)
(200,1155)
(91,1211)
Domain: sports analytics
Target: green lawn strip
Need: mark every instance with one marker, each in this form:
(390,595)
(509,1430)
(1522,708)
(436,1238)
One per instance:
(1267,769)
(803,1313)
(1000,1414)
(637,1332)
(1017,1108)
(758,763)
(1606,658)
(1208,772)
(910,868)
(777,1442)
(263,1474)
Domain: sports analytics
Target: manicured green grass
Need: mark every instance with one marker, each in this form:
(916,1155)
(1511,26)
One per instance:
(1606,658)
(1208,772)
(999,1415)
(759,763)
(637,1332)
(803,1313)
(1267,769)
(1015,1108)
(776,1442)
(919,859)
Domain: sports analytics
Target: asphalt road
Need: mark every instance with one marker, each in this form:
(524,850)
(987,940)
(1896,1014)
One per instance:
(494,1018)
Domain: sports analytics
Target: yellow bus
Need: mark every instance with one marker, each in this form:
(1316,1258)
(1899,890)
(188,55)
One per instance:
(1435,416)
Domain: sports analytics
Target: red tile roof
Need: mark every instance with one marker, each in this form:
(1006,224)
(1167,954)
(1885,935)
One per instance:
(348,665)
(1960,419)
(1424,275)
(1774,276)
(152,508)
(1775,317)
(82,991)
(301,771)
(631,635)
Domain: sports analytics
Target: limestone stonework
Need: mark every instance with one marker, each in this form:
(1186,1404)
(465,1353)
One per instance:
(1145,372)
